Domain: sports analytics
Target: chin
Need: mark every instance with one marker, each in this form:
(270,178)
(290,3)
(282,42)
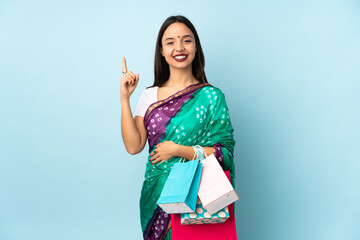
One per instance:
(181,66)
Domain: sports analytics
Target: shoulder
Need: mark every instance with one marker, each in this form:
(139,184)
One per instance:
(150,92)
(212,90)
(148,97)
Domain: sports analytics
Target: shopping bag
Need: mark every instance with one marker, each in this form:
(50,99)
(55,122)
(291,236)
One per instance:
(226,230)
(201,216)
(215,191)
(181,188)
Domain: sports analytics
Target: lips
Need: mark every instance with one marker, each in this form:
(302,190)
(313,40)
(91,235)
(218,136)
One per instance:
(180,57)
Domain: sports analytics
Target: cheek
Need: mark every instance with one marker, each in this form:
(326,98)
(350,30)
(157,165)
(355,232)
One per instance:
(167,52)
(192,49)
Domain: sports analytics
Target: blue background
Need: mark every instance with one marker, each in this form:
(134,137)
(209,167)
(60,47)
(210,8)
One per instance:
(289,70)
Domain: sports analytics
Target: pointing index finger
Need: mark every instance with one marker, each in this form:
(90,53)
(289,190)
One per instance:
(124,68)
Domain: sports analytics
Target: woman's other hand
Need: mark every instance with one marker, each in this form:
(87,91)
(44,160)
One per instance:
(164,151)
(128,82)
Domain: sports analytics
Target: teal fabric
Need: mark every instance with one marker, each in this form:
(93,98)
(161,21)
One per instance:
(203,120)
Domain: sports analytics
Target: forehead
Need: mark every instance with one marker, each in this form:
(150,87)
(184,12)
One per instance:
(177,29)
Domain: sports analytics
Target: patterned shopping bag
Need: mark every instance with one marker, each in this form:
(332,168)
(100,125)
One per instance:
(226,230)
(201,216)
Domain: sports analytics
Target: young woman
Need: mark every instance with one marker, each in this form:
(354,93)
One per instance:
(179,111)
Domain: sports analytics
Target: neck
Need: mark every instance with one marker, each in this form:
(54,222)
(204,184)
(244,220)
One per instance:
(180,78)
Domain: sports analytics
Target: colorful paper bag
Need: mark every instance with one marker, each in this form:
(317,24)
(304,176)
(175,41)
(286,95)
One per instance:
(226,230)
(215,191)
(201,216)
(181,188)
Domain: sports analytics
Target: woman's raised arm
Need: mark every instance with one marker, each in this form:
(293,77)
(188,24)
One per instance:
(132,129)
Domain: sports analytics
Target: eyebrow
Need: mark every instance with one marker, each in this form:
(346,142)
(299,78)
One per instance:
(169,38)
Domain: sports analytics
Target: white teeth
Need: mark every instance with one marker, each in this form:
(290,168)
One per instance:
(180,57)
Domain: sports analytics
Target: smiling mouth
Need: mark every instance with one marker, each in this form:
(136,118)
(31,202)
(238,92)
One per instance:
(180,58)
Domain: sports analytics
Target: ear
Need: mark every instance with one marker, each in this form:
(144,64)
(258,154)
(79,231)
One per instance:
(161,51)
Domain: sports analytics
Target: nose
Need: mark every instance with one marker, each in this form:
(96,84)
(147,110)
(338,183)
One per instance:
(179,46)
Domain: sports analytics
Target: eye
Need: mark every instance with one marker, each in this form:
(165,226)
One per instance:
(187,40)
(169,43)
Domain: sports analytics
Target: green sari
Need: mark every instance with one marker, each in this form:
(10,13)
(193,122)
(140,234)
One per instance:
(196,115)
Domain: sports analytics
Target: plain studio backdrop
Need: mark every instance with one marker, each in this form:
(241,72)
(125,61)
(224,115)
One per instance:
(290,71)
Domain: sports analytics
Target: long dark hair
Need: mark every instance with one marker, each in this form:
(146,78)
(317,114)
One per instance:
(161,68)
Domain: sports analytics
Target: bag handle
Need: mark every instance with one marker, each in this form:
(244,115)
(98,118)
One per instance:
(184,159)
(204,152)
(199,151)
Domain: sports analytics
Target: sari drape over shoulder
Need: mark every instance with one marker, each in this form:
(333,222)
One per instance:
(196,115)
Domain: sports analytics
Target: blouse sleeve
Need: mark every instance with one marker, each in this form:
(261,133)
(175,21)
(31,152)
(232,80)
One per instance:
(147,97)
(141,105)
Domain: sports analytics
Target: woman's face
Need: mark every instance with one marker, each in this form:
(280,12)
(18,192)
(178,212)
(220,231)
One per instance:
(178,46)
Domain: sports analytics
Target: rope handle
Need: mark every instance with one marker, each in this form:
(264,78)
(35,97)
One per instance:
(184,158)
(199,151)
(204,152)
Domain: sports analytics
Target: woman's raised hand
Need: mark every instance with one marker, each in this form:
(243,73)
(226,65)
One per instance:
(128,82)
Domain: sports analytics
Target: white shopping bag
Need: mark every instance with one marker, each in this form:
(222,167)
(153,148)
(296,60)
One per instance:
(215,190)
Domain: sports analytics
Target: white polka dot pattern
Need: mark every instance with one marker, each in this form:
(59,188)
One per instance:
(201,216)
